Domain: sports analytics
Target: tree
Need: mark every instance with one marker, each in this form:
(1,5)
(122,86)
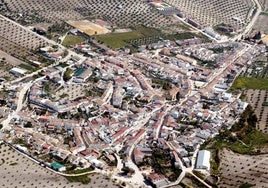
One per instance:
(28,125)
(67,75)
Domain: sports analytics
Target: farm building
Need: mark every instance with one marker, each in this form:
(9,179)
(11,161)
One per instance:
(203,160)
(18,71)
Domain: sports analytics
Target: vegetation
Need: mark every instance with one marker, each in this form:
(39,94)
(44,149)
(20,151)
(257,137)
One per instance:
(142,35)
(162,163)
(83,179)
(59,28)
(191,181)
(46,88)
(64,95)
(221,49)
(163,83)
(28,67)
(250,83)
(80,171)
(118,40)
(28,124)
(185,35)
(71,40)
(199,174)
(67,75)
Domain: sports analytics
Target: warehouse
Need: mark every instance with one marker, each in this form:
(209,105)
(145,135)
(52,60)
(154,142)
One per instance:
(18,71)
(203,160)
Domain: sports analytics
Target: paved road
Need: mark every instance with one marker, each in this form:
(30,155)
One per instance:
(22,94)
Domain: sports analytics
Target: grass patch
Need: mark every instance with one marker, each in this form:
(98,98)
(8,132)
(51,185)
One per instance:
(250,83)
(264,13)
(28,67)
(118,40)
(146,31)
(142,36)
(71,40)
(185,35)
(79,171)
(84,179)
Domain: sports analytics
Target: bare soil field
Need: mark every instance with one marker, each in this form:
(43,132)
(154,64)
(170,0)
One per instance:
(88,27)
(17,171)
(237,170)
(11,60)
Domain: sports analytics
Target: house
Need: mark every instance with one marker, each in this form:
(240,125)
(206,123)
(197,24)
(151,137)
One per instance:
(203,160)
(158,180)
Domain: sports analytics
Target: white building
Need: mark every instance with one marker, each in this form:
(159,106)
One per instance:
(203,160)
(18,71)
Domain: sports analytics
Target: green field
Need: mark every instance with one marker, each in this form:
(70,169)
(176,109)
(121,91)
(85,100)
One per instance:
(250,83)
(84,179)
(144,35)
(118,40)
(71,40)
(28,67)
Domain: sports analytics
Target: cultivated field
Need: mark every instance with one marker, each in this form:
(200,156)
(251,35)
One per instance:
(213,12)
(261,23)
(18,41)
(257,98)
(264,4)
(237,170)
(18,171)
(118,12)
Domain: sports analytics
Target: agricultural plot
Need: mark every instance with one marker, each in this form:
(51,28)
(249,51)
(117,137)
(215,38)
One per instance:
(71,40)
(258,100)
(115,12)
(118,40)
(40,11)
(212,12)
(241,170)
(128,13)
(16,170)
(261,23)
(18,41)
(255,76)
(138,36)
(264,4)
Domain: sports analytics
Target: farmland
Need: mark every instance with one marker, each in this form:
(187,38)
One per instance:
(19,171)
(238,170)
(118,40)
(250,83)
(71,40)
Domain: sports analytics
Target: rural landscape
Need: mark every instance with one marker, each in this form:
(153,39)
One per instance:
(135,94)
